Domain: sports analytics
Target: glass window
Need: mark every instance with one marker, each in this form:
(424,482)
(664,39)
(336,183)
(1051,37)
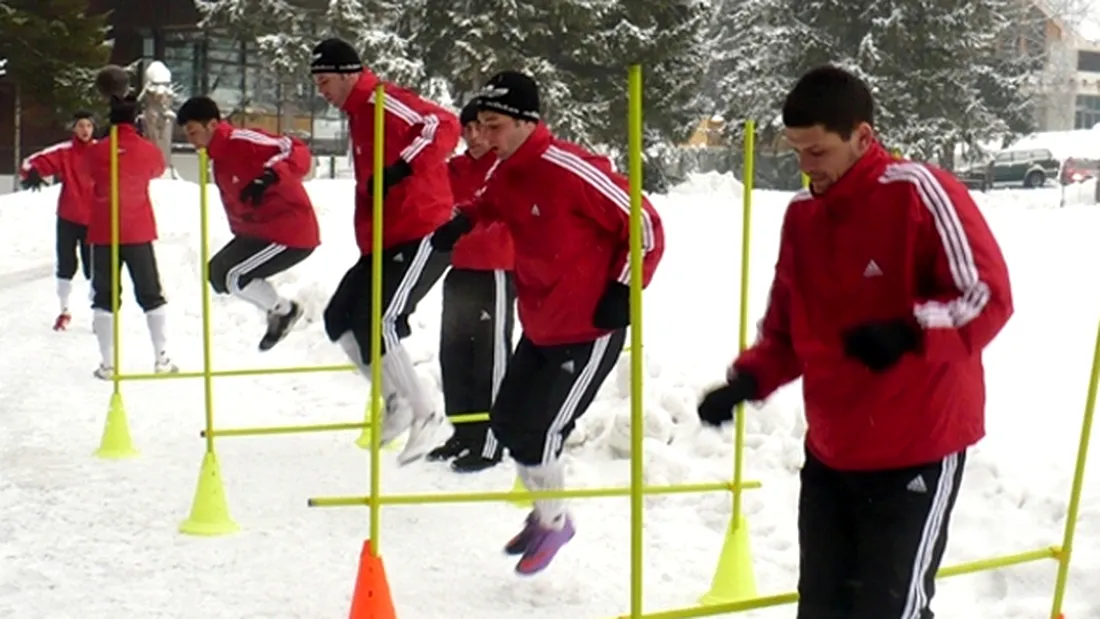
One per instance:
(225,83)
(261,88)
(1088,112)
(1088,61)
(183,59)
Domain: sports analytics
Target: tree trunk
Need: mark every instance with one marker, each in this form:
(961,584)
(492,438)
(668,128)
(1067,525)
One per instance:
(17,131)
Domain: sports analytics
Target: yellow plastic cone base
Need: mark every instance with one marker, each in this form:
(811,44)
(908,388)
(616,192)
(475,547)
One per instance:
(209,511)
(116,443)
(365,438)
(734,580)
(520,501)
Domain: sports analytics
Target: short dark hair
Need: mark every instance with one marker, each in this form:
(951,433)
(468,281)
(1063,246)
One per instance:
(198,109)
(831,97)
(83,115)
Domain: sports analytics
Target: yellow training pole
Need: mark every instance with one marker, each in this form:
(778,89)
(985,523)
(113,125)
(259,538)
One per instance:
(637,419)
(1078,483)
(734,579)
(116,442)
(376,321)
(209,509)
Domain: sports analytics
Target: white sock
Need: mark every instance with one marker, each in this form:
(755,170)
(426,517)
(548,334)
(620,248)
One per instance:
(551,476)
(262,294)
(398,371)
(354,353)
(157,320)
(103,325)
(64,289)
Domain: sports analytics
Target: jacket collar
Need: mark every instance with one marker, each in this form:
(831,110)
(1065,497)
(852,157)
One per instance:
(532,148)
(855,180)
(219,139)
(361,92)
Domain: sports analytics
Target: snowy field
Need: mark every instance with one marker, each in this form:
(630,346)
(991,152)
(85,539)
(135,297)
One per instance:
(82,538)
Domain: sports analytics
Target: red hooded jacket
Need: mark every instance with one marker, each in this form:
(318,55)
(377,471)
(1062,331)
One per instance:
(139,162)
(418,131)
(569,215)
(488,246)
(285,215)
(65,161)
(889,239)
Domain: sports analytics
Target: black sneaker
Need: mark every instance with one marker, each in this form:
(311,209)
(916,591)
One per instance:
(472,462)
(452,448)
(279,325)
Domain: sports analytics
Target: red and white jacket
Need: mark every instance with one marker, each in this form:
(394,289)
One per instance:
(488,246)
(139,162)
(65,162)
(285,215)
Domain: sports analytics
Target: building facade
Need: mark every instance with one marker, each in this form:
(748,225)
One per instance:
(227,70)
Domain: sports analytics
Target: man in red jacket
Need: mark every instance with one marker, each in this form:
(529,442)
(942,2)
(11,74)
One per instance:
(139,162)
(569,215)
(274,227)
(478,313)
(419,138)
(65,162)
(888,286)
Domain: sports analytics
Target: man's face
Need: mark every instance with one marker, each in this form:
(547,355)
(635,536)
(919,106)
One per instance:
(503,134)
(335,87)
(198,133)
(83,129)
(476,144)
(824,156)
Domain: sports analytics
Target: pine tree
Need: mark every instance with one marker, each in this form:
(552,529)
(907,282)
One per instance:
(935,66)
(381,32)
(55,48)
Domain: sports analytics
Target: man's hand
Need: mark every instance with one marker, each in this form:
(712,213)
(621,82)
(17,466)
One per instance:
(34,181)
(717,405)
(446,236)
(254,191)
(391,175)
(880,344)
(613,309)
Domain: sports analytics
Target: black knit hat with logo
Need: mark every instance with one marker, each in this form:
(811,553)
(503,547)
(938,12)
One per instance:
(511,93)
(335,56)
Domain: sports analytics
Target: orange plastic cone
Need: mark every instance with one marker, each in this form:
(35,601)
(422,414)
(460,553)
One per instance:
(371,599)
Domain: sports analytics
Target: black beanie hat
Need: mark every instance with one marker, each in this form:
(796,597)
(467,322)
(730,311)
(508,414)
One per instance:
(511,93)
(469,113)
(335,56)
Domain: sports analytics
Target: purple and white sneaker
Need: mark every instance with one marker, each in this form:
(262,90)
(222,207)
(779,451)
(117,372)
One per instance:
(518,544)
(543,545)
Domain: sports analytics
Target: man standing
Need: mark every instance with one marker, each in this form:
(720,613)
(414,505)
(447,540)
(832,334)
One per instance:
(478,313)
(139,162)
(888,286)
(419,137)
(65,162)
(569,216)
(274,227)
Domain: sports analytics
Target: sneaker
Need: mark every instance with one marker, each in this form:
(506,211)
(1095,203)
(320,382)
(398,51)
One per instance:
(421,438)
(396,418)
(518,544)
(472,462)
(279,325)
(543,546)
(453,448)
(164,365)
(104,372)
(62,321)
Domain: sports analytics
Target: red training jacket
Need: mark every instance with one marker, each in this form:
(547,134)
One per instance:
(285,214)
(65,161)
(418,131)
(569,215)
(890,239)
(488,246)
(139,162)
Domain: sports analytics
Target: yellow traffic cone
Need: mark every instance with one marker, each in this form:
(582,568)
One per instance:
(520,501)
(364,439)
(116,443)
(209,511)
(734,580)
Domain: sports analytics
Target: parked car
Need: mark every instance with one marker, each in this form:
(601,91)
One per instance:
(1079,170)
(1014,168)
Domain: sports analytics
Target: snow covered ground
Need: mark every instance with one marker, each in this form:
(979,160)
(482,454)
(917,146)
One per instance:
(82,538)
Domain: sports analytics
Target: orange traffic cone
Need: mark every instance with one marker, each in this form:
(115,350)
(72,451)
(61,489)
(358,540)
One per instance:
(371,599)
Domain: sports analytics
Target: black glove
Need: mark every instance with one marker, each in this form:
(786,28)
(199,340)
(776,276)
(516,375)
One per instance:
(445,236)
(34,181)
(613,309)
(880,344)
(717,405)
(254,191)
(391,175)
